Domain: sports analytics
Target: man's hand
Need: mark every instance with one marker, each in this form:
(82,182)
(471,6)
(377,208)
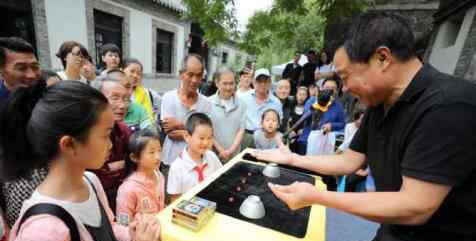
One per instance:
(225,155)
(117,165)
(281,156)
(296,195)
(362,172)
(145,228)
(170,124)
(326,128)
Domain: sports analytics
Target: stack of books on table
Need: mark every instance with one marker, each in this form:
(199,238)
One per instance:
(193,214)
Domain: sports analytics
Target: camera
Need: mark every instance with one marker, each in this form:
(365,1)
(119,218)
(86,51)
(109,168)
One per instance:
(324,97)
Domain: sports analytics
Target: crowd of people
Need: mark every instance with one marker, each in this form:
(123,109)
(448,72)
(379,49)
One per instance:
(92,154)
(160,146)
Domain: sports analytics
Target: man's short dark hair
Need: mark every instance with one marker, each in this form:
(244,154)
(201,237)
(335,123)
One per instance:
(244,71)
(113,75)
(13,44)
(109,48)
(185,60)
(309,52)
(331,80)
(379,29)
(197,119)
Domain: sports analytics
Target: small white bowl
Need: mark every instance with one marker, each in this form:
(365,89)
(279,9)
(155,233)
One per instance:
(252,207)
(272,170)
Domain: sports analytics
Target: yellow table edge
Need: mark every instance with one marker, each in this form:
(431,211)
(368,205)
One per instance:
(218,228)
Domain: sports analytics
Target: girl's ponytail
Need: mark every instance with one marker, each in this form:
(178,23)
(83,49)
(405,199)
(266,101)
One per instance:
(16,153)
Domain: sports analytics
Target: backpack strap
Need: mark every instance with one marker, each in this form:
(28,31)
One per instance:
(54,210)
(151,97)
(108,224)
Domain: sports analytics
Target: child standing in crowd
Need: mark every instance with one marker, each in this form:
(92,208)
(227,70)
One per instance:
(110,57)
(268,137)
(245,86)
(66,127)
(143,189)
(350,130)
(197,161)
(296,114)
(147,98)
(313,90)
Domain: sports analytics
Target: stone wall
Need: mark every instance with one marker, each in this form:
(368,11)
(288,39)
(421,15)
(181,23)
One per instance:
(41,33)
(419,12)
(469,50)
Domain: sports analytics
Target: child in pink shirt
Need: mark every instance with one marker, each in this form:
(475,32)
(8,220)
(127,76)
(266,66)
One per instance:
(67,128)
(143,189)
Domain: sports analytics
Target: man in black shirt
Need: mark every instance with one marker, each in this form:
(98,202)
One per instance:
(417,137)
(309,69)
(292,71)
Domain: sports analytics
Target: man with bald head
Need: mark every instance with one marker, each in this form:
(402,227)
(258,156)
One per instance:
(111,173)
(178,104)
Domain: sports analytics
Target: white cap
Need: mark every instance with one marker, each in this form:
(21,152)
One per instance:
(262,71)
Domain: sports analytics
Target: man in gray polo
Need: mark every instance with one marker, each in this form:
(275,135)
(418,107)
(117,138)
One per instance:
(228,116)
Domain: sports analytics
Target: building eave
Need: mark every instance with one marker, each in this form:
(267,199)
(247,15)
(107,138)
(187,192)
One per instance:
(175,5)
(451,9)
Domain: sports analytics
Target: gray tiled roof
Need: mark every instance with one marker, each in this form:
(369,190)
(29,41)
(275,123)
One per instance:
(176,5)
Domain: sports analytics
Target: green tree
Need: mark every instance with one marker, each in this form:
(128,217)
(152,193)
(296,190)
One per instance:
(275,35)
(289,26)
(216,18)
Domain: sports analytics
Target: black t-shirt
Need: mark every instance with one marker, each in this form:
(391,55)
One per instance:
(291,71)
(428,134)
(308,73)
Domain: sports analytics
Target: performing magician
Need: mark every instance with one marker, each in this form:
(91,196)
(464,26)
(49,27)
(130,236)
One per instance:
(418,137)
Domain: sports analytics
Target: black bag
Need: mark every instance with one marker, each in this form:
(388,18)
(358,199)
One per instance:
(54,210)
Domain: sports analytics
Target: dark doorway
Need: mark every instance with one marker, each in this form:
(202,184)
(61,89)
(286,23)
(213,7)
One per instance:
(198,45)
(164,50)
(17,20)
(107,29)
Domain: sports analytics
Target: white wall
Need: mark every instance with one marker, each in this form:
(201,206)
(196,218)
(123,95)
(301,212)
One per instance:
(141,38)
(180,49)
(66,20)
(445,58)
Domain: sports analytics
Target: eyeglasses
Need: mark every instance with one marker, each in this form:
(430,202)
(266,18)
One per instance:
(78,54)
(116,99)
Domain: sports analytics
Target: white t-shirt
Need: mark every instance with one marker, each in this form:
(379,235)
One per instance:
(182,176)
(240,93)
(171,106)
(63,76)
(88,211)
(324,69)
(349,132)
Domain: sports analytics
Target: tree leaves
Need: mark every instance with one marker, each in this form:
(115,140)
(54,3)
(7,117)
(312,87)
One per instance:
(291,26)
(216,18)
